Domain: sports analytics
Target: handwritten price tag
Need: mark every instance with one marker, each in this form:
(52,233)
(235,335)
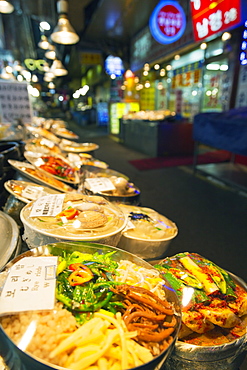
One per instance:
(32,192)
(30,285)
(49,205)
(99,184)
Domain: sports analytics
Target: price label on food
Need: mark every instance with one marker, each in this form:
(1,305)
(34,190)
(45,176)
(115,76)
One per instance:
(30,285)
(32,192)
(99,184)
(49,205)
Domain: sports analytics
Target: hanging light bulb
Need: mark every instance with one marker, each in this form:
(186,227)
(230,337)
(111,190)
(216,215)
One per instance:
(7,74)
(44,43)
(51,85)
(51,53)
(50,74)
(35,78)
(64,33)
(58,69)
(17,66)
(6,7)
(47,78)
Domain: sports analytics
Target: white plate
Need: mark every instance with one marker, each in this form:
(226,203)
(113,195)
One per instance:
(69,146)
(38,190)
(22,168)
(67,134)
(36,160)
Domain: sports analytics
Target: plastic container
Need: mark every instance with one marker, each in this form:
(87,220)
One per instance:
(146,243)
(39,233)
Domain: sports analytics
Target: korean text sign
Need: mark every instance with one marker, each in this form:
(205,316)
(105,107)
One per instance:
(15,102)
(210,17)
(167,22)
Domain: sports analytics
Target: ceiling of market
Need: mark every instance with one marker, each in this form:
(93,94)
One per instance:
(102,25)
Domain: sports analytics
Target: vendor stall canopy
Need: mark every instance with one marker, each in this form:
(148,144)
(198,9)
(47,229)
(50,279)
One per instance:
(104,26)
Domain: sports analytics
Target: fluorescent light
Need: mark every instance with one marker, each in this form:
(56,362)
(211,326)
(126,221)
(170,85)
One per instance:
(213,67)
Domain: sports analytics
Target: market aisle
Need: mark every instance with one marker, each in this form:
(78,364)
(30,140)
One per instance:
(211,218)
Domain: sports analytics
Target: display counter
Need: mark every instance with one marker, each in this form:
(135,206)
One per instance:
(157,138)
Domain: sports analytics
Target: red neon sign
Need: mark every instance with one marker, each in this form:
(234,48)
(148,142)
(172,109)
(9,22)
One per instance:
(213,16)
(167,22)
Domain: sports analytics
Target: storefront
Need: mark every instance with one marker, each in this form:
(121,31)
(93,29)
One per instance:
(196,72)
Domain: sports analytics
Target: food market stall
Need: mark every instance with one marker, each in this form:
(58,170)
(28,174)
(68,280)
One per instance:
(76,234)
(158,134)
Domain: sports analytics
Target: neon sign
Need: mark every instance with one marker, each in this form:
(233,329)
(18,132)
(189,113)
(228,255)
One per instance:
(167,22)
(243,53)
(210,17)
(114,65)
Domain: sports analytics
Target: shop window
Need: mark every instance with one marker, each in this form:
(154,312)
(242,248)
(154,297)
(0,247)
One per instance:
(216,86)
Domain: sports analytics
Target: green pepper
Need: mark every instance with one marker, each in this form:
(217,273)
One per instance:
(61,267)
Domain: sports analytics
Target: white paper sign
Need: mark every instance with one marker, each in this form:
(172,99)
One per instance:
(97,184)
(30,285)
(32,192)
(50,205)
(15,102)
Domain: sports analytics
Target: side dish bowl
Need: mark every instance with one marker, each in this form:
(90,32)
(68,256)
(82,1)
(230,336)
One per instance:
(17,359)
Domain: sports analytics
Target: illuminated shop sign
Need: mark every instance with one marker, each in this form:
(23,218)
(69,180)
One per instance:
(243,53)
(114,65)
(188,68)
(210,17)
(167,22)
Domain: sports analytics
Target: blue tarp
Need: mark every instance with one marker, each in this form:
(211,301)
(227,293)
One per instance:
(226,130)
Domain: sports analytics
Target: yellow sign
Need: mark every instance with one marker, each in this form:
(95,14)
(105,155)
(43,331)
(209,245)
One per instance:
(91,58)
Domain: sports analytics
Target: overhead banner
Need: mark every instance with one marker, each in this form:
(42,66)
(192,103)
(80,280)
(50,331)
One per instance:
(210,17)
(167,22)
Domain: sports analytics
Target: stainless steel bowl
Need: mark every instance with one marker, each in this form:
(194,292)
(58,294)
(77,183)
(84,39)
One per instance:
(19,360)
(227,356)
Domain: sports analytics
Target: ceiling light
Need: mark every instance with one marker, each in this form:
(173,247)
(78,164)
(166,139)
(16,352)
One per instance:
(47,78)
(226,36)
(64,33)
(7,74)
(50,53)
(44,43)
(213,67)
(6,7)
(45,26)
(49,74)
(203,46)
(17,66)
(58,69)
(177,57)
(51,85)
(35,78)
